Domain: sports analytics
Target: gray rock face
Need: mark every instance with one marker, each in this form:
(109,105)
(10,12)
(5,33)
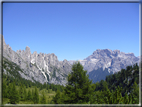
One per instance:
(47,68)
(40,67)
(114,61)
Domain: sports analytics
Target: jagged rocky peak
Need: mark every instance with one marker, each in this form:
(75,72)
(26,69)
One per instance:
(6,47)
(65,61)
(18,51)
(105,51)
(35,54)
(54,56)
(115,53)
(130,54)
(38,67)
(53,60)
(4,42)
(27,50)
(112,60)
(109,53)
(41,66)
(99,54)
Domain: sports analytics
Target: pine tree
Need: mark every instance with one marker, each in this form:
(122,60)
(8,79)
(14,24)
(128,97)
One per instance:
(44,85)
(33,94)
(14,96)
(21,92)
(135,93)
(4,89)
(126,99)
(112,97)
(49,90)
(43,98)
(29,97)
(118,96)
(47,87)
(9,90)
(130,99)
(36,96)
(79,88)
(57,98)
(25,93)
(108,97)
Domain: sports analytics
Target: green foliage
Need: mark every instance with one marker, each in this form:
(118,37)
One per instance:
(21,92)
(29,97)
(9,90)
(14,96)
(124,78)
(49,90)
(117,96)
(79,88)
(57,98)
(25,94)
(13,75)
(4,89)
(36,96)
(43,98)
(126,99)
(135,94)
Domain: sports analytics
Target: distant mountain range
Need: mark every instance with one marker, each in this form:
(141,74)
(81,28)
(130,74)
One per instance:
(114,61)
(107,61)
(47,68)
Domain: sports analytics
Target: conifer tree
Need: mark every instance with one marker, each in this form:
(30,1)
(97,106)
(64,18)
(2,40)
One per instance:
(135,93)
(126,99)
(108,97)
(57,98)
(21,92)
(44,85)
(29,97)
(99,97)
(9,90)
(130,99)
(112,100)
(43,98)
(79,88)
(47,87)
(36,96)
(25,93)
(118,96)
(4,89)
(33,93)
(14,96)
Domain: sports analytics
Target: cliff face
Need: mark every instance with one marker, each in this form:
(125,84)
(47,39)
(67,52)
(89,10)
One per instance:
(40,67)
(47,68)
(114,61)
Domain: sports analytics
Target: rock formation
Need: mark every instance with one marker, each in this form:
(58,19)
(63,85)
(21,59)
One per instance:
(40,67)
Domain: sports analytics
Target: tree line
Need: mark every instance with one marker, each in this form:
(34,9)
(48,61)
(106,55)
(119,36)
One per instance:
(119,88)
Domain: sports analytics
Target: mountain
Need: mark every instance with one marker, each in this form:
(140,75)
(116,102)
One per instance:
(114,61)
(38,67)
(47,68)
(104,62)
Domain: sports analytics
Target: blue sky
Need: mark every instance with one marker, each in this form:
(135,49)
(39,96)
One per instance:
(72,31)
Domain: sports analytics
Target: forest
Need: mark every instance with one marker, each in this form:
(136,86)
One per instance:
(118,88)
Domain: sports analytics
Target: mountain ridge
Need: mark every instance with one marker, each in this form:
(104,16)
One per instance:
(45,68)
(107,58)
(38,66)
